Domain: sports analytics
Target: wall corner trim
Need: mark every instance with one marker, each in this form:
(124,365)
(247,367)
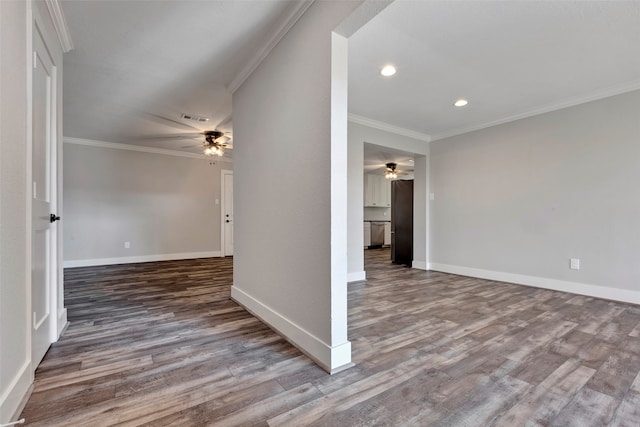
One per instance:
(596,291)
(420,265)
(566,103)
(16,393)
(137,259)
(279,32)
(330,358)
(354,118)
(358,276)
(60,24)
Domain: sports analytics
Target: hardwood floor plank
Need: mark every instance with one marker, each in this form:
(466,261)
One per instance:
(162,344)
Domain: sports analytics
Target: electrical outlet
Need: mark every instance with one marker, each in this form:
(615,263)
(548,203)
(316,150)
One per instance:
(574,264)
(127,245)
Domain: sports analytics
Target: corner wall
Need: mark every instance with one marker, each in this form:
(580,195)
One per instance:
(515,202)
(164,205)
(285,262)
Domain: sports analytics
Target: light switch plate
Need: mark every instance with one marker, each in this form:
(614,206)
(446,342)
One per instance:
(574,264)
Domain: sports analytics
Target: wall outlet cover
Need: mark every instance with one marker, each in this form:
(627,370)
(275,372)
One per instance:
(574,264)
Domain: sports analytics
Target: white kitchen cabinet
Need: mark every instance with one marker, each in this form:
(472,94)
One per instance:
(367,234)
(387,234)
(377,191)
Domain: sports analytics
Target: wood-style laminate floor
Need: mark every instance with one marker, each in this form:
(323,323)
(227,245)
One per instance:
(161,344)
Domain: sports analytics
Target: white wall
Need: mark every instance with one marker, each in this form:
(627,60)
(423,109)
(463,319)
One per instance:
(14,327)
(358,135)
(285,202)
(164,205)
(524,197)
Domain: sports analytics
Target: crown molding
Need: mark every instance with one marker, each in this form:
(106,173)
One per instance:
(60,24)
(129,147)
(282,29)
(354,118)
(571,102)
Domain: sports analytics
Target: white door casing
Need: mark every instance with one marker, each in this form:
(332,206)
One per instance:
(43,269)
(226,244)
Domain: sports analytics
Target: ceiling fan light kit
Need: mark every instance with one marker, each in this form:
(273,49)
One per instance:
(391,171)
(211,146)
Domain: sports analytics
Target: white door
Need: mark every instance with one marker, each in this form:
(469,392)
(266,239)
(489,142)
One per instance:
(42,267)
(227,213)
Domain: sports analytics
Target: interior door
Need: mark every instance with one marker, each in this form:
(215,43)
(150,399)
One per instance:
(41,244)
(227,187)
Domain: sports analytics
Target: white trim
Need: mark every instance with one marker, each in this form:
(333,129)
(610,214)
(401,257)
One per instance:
(420,265)
(358,276)
(388,128)
(62,322)
(142,258)
(60,24)
(286,24)
(129,147)
(615,294)
(612,91)
(331,359)
(17,391)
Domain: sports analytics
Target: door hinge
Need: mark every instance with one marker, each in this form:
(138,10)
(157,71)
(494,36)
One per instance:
(35,59)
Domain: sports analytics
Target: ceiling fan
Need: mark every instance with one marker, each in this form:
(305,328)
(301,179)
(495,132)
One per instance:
(392,171)
(215,141)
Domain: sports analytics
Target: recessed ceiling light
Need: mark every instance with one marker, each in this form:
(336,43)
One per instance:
(461,103)
(388,70)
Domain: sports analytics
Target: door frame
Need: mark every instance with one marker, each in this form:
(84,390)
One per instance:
(223,173)
(42,19)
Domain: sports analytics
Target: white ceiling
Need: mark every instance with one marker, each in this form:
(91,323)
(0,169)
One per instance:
(138,64)
(510,59)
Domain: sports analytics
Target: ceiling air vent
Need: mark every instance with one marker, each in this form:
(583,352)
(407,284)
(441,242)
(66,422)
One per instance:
(194,118)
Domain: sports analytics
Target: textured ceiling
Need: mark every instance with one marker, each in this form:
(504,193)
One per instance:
(509,59)
(138,64)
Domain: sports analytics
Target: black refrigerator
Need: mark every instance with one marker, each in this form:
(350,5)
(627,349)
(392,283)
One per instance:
(402,222)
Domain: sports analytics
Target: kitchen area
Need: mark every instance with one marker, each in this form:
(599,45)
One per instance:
(377,211)
(388,215)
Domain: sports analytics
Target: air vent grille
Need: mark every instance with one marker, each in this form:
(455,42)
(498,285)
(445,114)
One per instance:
(194,117)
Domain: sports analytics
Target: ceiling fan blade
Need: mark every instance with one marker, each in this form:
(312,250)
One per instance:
(168,137)
(223,138)
(168,122)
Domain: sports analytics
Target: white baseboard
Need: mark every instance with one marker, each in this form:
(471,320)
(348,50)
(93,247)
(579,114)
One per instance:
(62,323)
(358,276)
(615,294)
(16,392)
(330,358)
(136,259)
(420,265)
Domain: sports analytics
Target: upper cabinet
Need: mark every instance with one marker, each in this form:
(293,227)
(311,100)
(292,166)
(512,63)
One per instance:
(377,191)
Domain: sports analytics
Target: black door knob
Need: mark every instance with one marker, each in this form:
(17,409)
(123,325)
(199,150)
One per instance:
(54,218)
